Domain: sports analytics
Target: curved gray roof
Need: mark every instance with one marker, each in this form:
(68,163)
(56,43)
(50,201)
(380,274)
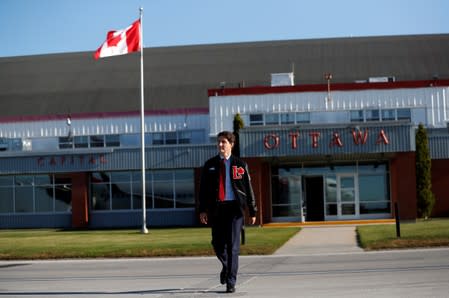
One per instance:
(179,77)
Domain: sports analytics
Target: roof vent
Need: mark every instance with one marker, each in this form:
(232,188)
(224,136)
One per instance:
(282,79)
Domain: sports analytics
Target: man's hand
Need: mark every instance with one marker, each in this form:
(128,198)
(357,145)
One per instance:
(203,218)
(253,220)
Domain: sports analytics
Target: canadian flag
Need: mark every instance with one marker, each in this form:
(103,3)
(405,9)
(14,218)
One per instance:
(120,42)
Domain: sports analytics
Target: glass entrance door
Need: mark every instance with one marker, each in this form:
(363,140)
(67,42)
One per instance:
(341,197)
(347,205)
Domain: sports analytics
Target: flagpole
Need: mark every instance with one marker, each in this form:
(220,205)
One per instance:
(144,229)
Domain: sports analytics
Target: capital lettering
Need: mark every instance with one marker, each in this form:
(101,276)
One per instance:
(294,139)
(315,135)
(360,138)
(336,140)
(382,138)
(271,141)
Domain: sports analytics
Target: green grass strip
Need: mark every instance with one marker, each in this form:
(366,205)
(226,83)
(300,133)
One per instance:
(166,242)
(428,233)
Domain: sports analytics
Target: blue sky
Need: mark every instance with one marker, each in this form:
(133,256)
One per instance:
(33,27)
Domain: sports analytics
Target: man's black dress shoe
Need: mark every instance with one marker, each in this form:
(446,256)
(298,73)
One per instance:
(230,289)
(223,277)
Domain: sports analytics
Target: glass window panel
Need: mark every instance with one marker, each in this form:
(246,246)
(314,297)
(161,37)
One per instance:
(347,195)
(45,144)
(44,198)
(63,180)
(372,168)
(24,199)
(372,115)
(137,195)
(65,142)
(63,194)
(96,141)
(137,189)
(287,192)
(6,200)
(81,141)
(164,176)
(374,207)
(372,188)
(184,174)
(100,196)
(280,211)
(163,189)
(303,117)
(347,182)
(4,144)
(347,209)
(112,140)
(131,140)
(6,181)
(184,137)
(389,114)
(120,176)
(282,192)
(121,195)
(16,145)
(272,119)
(404,114)
(331,209)
(356,116)
(256,119)
(63,204)
(136,176)
(43,179)
(137,199)
(148,139)
(331,189)
(158,139)
(171,138)
(184,189)
(100,177)
(24,180)
(347,189)
(198,137)
(287,118)
(185,197)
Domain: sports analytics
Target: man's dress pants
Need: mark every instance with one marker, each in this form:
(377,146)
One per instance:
(226,229)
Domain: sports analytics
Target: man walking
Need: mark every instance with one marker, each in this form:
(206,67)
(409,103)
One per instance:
(225,191)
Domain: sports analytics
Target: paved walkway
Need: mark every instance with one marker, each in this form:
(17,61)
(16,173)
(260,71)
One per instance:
(321,240)
(325,238)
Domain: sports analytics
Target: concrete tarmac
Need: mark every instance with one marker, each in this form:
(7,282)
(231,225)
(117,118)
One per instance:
(299,269)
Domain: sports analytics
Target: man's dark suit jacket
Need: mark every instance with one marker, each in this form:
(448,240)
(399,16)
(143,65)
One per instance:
(240,180)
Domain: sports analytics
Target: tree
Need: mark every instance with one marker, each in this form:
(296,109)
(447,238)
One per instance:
(425,197)
(237,124)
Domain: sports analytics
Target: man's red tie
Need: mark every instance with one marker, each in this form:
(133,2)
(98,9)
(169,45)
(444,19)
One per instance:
(222,179)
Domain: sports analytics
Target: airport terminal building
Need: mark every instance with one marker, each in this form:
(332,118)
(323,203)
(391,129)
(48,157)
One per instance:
(319,147)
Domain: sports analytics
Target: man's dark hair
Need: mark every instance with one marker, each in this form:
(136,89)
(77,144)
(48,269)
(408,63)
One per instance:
(227,135)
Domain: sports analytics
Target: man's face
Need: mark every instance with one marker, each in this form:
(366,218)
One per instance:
(224,147)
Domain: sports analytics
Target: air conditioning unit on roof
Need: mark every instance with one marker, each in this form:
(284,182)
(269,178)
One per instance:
(381,79)
(282,79)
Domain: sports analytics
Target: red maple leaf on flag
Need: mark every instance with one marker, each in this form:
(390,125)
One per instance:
(113,40)
(120,42)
